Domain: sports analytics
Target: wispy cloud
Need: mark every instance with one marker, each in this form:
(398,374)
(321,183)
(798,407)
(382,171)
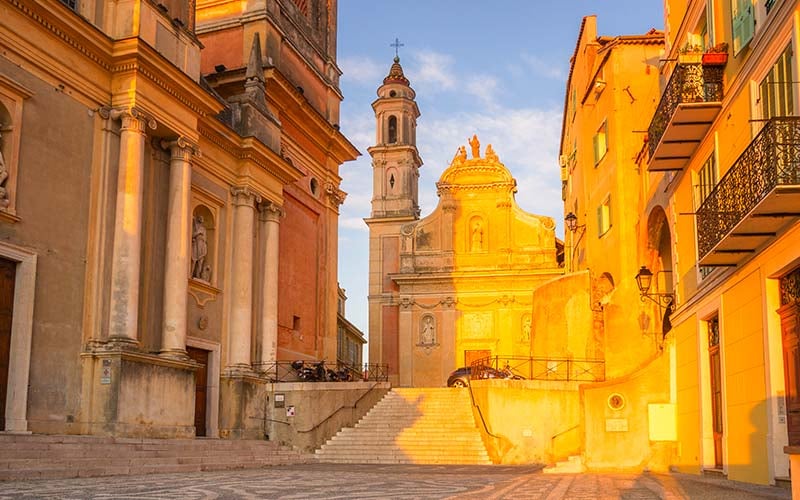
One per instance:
(434,69)
(544,68)
(484,87)
(361,70)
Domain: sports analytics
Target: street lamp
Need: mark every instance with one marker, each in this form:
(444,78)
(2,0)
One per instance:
(644,280)
(571,221)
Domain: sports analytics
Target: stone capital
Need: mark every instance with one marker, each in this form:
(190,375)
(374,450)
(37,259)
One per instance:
(132,119)
(244,196)
(180,148)
(270,212)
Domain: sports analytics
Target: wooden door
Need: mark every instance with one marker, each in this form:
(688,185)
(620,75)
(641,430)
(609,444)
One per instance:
(8,271)
(790,333)
(200,384)
(715,375)
(475,355)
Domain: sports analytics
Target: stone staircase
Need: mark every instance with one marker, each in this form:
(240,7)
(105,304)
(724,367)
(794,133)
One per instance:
(411,426)
(26,457)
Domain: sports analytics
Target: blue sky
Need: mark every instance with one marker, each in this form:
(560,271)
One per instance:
(497,69)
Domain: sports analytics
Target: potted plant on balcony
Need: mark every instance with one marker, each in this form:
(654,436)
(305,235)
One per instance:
(716,55)
(690,54)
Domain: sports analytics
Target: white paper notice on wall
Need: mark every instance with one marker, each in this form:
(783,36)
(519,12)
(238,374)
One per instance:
(290,411)
(662,422)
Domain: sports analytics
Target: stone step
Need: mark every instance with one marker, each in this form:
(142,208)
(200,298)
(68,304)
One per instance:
(37,456)
(433,426)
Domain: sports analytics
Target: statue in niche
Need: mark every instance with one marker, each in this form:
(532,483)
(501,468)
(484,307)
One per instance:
(428,334)
(477,236)
(199,250)
(475,144)
(3,176)
(526,329)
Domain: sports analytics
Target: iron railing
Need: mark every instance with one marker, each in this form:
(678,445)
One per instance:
(556,369)
(772,159)
(282,371)
(688,83)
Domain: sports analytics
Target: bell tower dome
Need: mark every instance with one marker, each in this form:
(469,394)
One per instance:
(395,160)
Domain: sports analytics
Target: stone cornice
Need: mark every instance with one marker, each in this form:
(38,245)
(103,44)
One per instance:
(71,29)
(133,55)
(248,149)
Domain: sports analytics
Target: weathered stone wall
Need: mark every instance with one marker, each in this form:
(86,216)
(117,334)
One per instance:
(320,410)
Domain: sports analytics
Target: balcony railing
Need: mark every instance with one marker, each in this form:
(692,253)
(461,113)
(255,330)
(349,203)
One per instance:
(745,194)
(689,84)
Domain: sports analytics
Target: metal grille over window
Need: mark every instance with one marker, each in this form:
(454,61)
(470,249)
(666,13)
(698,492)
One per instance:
(713,332)
(790,287)
(72,4)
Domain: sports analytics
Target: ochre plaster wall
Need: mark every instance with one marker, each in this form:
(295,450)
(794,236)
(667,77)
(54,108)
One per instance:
(525,415)
(745,417)
(689,457)
(631,446)
(562,318)
(55,159)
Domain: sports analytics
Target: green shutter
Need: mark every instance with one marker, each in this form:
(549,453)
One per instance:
(744,24)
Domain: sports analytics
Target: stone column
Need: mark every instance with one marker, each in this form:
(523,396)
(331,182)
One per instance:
(447,338)
(126,256)
(241,315)
(270,215)
(178,250)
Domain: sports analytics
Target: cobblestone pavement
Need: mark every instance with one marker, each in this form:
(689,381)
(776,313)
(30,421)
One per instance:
(331,481)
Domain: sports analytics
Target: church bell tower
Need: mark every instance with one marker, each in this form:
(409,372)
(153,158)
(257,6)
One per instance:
(395,174)
(395,160)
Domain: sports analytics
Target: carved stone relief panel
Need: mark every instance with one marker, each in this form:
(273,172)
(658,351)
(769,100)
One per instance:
(477,325)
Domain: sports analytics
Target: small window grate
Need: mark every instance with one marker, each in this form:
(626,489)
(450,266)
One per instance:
(769,4)
(72,4)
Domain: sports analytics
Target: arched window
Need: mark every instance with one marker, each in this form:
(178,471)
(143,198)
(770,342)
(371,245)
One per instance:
(392,130)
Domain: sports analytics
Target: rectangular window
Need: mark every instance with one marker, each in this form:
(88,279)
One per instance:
(600,143)
(706,181)
(72,4)
(604,217)
(776,89)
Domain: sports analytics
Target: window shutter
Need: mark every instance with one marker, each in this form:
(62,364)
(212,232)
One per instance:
(744,24)
(600,221)
(595,145)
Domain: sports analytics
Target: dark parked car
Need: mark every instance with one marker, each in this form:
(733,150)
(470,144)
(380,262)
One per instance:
(460,377)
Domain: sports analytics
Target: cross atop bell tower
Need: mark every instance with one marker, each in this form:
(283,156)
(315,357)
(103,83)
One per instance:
(395,159)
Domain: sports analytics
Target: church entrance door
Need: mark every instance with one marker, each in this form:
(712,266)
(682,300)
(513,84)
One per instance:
(200,383)
(8,272)
(475,355)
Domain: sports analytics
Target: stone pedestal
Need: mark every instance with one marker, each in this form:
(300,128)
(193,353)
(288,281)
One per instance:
(129,394)
(794,468)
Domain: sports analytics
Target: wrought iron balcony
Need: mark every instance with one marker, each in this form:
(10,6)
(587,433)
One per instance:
(755,199)
(690,103)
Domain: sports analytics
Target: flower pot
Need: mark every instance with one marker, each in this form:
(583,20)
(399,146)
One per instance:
(715,58)
(690,58)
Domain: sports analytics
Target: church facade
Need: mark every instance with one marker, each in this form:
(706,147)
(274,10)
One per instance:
(457,285)
(167,169)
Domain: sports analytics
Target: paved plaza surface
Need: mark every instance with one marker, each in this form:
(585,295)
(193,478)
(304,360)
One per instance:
(333,481)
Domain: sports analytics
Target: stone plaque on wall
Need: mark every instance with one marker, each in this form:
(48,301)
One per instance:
(477,325)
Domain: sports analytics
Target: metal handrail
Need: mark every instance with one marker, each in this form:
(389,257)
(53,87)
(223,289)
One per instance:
(352,406)
(282,371)
(531,368)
